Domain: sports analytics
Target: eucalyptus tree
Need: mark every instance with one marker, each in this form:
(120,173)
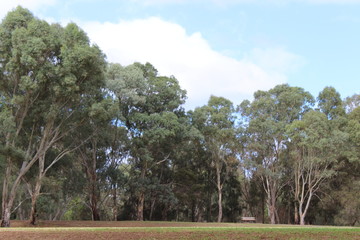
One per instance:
(352,102)
(98,141)
(150,107)
(353,129)
(330,103)
(216,123)
(315,149)
(266,118)
(50,75)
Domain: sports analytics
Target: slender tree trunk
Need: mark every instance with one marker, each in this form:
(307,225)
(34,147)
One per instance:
(94,202)
(9,197)
(219,188)
(220,206)
(140,207)
(8,204)
(115,212)
(4,204)
(36,192)
(141,200)
(34,197)
(152,208)
(164,213)
(271,201)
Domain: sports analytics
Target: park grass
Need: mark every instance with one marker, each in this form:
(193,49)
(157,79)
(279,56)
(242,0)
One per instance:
(186,231)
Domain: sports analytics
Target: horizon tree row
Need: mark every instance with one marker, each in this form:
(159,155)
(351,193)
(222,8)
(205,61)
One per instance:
(84,139)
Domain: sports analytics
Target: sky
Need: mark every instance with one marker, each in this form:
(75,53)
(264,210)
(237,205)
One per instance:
(228,48)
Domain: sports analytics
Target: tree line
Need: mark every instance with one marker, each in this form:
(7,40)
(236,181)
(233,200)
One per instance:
(84,139)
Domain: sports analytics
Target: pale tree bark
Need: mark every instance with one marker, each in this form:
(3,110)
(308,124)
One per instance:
(219,162)
(219,186)
(309,177)
(270,187)
(9,192)
(53,135)
(141,198)
(140,207)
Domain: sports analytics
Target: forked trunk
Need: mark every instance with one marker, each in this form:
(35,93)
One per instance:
(95,214)
(34,197)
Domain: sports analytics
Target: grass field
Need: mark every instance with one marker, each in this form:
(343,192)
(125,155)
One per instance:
(171,230)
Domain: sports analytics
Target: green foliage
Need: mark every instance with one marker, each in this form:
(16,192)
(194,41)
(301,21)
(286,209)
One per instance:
(77,210)
(330,103)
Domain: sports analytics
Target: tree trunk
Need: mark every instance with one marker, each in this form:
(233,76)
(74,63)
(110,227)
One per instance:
(141,200)
(272,215)
(219,188)
(220,206)
(164,212)
(34,196)
(140,207)
(6,217)
(94,204)
(95,214)
(33,212)
(9,197)
(115,212)
(152,207)
(270,189)
(4,206)
(302,219)
(271,208)
(296,214)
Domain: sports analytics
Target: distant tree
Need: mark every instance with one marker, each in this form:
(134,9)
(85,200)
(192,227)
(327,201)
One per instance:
(150,106)
(216,122)
(330,103)
(352,102)
(267,117)
(315,152)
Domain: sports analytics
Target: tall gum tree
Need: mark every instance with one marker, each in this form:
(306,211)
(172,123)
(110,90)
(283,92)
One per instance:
(266,118)
(49,76)
(315,148)
(150,107)
(216,123)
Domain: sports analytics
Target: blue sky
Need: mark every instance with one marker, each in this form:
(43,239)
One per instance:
(228,48)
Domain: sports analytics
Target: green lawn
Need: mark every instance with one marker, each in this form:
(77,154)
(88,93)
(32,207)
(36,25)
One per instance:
(185,231)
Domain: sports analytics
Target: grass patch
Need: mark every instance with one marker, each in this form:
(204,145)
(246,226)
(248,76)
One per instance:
(187,231)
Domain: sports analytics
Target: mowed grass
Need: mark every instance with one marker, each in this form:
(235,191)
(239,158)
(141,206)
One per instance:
(185,231)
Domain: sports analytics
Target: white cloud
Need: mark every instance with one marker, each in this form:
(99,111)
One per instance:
(199,69)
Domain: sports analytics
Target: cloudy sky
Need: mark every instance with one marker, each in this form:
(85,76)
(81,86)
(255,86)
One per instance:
(228,48)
